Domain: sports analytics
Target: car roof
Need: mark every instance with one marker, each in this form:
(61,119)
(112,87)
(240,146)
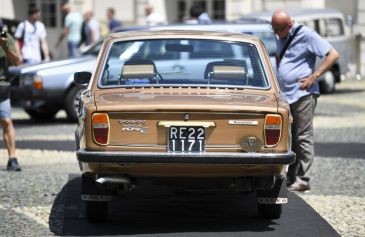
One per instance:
(246,25)
(147,34)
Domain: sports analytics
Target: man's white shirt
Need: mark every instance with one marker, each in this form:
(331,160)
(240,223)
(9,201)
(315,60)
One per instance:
(33,35)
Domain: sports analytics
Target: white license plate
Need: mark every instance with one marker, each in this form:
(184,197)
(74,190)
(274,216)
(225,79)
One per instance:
(186,139)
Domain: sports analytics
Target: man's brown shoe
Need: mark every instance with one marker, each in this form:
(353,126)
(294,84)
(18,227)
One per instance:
(297,187)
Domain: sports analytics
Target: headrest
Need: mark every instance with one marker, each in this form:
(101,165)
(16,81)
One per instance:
(228,72)
(138,71)
(225,63)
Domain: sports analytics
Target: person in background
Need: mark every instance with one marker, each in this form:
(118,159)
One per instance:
(198,16)
(203,17)
(90,28)
(72,29)
(32,37)
(194,14)
(113,23)
(9,55)
(298,80)
(153,18)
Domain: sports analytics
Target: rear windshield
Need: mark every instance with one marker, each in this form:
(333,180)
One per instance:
(187,62)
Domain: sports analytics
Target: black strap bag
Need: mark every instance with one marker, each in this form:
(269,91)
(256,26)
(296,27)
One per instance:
(288,43)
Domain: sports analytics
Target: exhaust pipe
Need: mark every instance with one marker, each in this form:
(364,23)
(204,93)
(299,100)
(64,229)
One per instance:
(119,185)
(113,180)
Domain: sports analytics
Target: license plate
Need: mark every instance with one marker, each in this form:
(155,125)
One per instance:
(186,139)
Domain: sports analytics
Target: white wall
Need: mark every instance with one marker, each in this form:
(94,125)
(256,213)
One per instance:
(7,9)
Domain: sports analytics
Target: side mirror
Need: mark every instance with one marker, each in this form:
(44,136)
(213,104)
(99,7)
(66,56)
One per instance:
(82,78)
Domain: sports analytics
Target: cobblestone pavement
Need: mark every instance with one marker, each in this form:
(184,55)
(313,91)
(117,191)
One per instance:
(338,179)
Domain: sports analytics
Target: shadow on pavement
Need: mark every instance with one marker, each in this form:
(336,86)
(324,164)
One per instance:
(158,211)
(348,91)
(40,122)
(343,150)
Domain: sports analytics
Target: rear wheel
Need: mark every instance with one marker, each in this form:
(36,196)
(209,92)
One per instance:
(43,112)
(72,102)
(328,84)
(269,201)
(95,210)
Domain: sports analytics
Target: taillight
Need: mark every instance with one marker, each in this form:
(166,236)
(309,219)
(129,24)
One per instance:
(100,126)
(272,129)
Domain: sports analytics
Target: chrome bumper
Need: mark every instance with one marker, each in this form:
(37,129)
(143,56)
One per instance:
(191,158)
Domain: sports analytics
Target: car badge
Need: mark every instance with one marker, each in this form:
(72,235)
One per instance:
(186,117)
(134,126)
(243,122)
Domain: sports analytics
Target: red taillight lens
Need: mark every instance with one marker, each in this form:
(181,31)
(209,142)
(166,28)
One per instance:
(100,125)
(272,129)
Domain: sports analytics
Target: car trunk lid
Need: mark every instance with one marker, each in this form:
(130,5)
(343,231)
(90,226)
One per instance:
(142,119)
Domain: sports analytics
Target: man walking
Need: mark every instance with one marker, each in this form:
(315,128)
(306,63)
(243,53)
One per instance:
(9,55)
(297,49)
(72,29)
(32,35)
(113,23)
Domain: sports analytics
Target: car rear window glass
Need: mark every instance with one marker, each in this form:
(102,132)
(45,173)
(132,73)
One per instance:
(183,62)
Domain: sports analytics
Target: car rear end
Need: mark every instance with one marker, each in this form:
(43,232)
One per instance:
(166,119)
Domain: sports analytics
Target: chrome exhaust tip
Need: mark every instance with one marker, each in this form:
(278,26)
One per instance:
(113,180)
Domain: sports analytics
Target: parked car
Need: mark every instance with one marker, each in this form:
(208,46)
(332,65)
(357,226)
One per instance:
(330,24)
(42,90)
(9,25)
(184,108)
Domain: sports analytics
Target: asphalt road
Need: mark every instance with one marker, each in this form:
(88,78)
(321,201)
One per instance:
(43,199)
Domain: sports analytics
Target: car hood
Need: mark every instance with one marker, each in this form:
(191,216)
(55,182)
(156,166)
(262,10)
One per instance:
(141,100)
(24,68)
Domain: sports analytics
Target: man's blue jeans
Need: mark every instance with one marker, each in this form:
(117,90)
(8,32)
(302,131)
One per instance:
(73,50)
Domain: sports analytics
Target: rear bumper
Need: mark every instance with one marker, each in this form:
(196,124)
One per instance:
(187,158)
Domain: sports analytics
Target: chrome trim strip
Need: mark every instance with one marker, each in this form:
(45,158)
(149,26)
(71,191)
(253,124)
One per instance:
(186,123)
(164,146)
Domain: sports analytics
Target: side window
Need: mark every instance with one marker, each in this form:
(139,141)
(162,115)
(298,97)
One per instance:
(335,27)
(322,27)
(311,24)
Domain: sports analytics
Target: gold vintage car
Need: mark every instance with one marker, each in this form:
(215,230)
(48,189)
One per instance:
(183,107)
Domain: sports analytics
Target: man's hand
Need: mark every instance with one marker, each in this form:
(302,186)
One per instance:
(327,63)
(3,41)
(306,83)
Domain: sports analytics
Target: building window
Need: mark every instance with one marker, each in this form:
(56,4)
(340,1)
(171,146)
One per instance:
(181,10)
(49,14)
(335,27)
(219,10)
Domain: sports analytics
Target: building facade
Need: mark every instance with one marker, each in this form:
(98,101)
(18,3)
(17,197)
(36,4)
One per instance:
(131,12)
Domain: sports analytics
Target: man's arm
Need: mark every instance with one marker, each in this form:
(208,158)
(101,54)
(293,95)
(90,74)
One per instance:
(62,35)
(45,48)
(12,51)
(327,63)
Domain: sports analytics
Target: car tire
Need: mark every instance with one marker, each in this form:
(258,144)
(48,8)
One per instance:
(96,211)
(44,112)
(72,102)
(269,211)
(328,84)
